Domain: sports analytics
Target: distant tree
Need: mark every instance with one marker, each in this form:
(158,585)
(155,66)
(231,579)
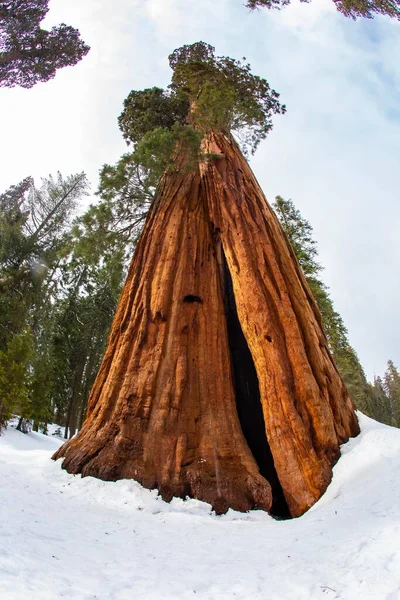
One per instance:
(59,284)
(80,333)
(15,376)
(101,242)
(349,8)
(113,224)
(34,223)
(15,281)
(30,54)
(380,403)
(300,235)
(391,385)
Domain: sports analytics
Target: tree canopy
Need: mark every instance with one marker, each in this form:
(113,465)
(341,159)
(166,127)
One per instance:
(206,92)
(349,8)
(30,54)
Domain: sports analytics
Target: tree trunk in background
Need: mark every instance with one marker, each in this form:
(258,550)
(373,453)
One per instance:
(217,381)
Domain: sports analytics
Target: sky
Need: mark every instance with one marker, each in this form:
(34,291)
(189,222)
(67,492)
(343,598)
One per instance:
(335,153)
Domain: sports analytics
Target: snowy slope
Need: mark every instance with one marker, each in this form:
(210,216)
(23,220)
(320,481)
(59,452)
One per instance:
(66,537)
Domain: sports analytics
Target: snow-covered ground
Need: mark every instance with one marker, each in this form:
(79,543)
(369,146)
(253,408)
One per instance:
(66,537)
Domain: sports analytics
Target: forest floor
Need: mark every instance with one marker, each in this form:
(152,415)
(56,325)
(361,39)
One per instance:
(62,536)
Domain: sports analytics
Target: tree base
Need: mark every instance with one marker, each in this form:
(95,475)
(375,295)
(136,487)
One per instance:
(177,400)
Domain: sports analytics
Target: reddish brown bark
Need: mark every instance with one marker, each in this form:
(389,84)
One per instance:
(162,409)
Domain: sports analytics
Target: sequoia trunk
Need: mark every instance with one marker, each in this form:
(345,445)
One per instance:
(217,382)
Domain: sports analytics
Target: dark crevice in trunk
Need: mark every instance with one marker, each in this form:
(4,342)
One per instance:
(248,400)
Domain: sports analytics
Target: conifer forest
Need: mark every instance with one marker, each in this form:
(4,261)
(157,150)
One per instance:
(198,264)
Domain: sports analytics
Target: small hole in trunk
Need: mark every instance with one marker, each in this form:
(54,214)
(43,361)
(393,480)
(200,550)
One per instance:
(191,298)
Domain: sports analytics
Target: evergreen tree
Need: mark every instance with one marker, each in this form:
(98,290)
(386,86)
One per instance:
(299,233)
(112,225)
(391,385)
(30,54)
(60,281)
(33,225)
(349,8)
(82,322)
(15,376)
(15,281)
(380,402)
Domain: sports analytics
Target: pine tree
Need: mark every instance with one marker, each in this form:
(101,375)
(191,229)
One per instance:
(391,385)
(15,377)
(380,403)
(33,225)
(82,323)
(110,227)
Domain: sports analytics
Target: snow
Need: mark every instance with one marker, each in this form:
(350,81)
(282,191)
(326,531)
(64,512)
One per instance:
(62,536)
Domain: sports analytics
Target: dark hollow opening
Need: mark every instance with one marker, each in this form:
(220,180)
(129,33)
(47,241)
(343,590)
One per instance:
(190,298)
(248,400)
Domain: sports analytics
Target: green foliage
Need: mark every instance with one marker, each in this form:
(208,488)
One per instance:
(268,3)
(128,183)
(391,385)
(299,232)
(206,92)
(224,94)
(13,217)
(29,54)
(33,223)
(109,228)
(40,395)
(381,400)
(149,109)
(60,280)
(157,148)
(33,226)
(15,279)
(349,8)
(380,403)
(15,376)
(92,283)
(100,244)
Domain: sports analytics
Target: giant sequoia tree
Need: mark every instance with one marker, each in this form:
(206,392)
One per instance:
(217,381)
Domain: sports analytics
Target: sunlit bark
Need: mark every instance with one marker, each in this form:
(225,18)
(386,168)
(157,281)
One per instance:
(168,407)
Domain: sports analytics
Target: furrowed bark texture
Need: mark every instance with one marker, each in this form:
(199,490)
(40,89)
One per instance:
(307,410)
(163,409)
